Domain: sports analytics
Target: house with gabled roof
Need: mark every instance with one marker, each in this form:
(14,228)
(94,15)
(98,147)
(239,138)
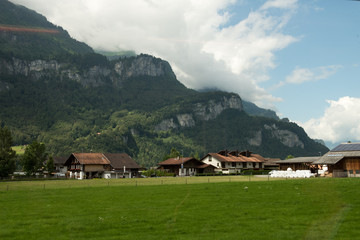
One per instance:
(343,160)
(100,165)
(234,161)
(187,166)
(122,165)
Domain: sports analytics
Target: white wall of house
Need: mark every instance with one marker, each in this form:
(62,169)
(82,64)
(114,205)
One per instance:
(212,161)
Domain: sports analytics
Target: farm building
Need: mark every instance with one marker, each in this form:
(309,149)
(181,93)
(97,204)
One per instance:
(234,161)
(299,163)
(122,165)
(99,165)
(271,163)
(59,165)
(185,166)
(343,160)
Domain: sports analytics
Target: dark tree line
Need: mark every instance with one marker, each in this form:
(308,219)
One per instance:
(34,160)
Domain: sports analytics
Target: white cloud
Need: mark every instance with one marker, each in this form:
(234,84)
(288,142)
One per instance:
(193,35)
(339,123)
(285,4)
(301,75)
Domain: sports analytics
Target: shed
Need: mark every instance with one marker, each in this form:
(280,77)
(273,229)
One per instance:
(299,163)
(343,160)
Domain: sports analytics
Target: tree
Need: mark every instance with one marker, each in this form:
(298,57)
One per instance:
(173,154)
(7,155)
(34,158)
(50,167)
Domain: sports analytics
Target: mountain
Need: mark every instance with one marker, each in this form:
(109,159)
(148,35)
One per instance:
(57,90)
(254,110)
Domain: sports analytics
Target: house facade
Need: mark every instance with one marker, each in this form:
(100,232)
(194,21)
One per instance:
(99,165)
(121,166)
(181,166)
(229,162)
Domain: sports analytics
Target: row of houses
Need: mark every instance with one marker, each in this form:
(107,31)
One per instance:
(342,161)
(226,162)
(121,165)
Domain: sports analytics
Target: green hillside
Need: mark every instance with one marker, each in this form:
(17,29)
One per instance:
(56,90)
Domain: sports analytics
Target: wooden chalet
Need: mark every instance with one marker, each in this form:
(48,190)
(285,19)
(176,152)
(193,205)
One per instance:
(181,166)
(99,165)
(87,165)
(122,165)
(343,160)
(234,161)
(299,163)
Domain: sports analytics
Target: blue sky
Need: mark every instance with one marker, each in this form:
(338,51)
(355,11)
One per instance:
(297,57)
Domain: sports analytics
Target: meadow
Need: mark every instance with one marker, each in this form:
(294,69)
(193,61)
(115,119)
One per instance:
(181,208)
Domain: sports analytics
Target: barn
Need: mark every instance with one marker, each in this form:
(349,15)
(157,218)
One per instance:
(343,160)
(299,163)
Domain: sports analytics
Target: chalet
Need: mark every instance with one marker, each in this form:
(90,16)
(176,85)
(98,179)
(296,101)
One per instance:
(299,163)
(181,166)
(99,165)
(122,165)
(59,165)
(343,160)
(234,161)
(87,165)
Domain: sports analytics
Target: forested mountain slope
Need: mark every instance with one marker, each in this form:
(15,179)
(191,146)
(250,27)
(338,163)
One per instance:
(56,90)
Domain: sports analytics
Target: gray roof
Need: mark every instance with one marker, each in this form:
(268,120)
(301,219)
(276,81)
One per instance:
(347,147)
(334,157)
(300,160)
(338,153)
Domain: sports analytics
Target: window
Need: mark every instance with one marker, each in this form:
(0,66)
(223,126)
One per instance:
(244,165)
(210,159)
(233,164)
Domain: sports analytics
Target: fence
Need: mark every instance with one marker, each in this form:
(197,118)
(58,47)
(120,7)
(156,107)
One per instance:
(72,183)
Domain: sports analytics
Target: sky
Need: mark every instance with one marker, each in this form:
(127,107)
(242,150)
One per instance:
(299,58)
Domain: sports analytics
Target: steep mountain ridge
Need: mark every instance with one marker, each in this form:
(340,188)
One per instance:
(75,100)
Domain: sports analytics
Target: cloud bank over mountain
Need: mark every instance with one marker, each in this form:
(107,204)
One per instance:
(206,48)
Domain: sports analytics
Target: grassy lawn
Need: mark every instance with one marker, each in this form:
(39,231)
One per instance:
(172,208)
(19,149)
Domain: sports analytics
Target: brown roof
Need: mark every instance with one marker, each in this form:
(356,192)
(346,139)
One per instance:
(240,158)
(119,160)
(91,158)
(271,161)
(206,165)
(59,160)
(176,161)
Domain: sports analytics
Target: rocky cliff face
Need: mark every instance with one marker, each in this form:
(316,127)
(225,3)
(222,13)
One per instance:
(286,137)
(143,65)
(201,111)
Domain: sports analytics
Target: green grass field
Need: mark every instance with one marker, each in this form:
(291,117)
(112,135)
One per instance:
(181,208)
(19,149)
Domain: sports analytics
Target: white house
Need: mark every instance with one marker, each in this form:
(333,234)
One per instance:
(234,161)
